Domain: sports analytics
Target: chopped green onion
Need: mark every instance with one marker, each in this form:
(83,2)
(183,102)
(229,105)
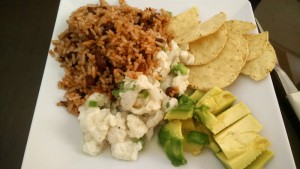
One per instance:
(116,92)
(93,103)
(145,93)
(141,140)
(179,68)
(168,105)
(133,87)
(184,99)
(121,85)
(198,111)
(135,140)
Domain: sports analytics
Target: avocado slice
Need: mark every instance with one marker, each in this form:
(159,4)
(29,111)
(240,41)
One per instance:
(217,123)
(212,92)
(261,160)
(223,101)
(194,149)
(180,112)
(217,100)
(230,116)
(203,115)
(213,145)
(171,139)
(197,137)
(251,152)
(218,103)
(196,95)
(194,141)
(188,124)
(235,139)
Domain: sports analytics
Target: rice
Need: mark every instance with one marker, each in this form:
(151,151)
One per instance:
(105,43)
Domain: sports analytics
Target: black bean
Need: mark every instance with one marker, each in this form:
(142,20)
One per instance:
(82,94)
(91,36)
(90,81)
(151,19)
(139,14)
(91,10)
(142,52)
(100,61)
(145,28)
(109,26)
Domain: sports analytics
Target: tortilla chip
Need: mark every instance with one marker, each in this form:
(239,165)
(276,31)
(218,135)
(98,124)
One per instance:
(241,43)
(208,48)
(240,27)
(257,44)
(184,46)
(220,72)
(183,22)
(202,29)
(260,67)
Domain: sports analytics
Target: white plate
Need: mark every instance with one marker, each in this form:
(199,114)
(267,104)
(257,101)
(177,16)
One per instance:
(55,139)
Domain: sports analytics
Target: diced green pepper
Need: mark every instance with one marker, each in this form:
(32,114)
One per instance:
(180,68)
(93,103)
(116,92)
(184,99)
(144,93)
(141,140)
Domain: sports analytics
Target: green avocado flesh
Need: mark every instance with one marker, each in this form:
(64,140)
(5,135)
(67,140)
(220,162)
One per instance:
(214,120)
(171,140)
(181,112)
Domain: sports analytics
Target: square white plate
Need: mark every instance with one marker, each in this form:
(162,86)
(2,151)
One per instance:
(55,139)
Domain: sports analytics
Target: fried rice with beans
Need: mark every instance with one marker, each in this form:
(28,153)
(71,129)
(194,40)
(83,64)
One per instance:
(105,43)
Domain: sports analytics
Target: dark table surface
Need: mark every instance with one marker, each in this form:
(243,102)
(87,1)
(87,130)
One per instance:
(25,32)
